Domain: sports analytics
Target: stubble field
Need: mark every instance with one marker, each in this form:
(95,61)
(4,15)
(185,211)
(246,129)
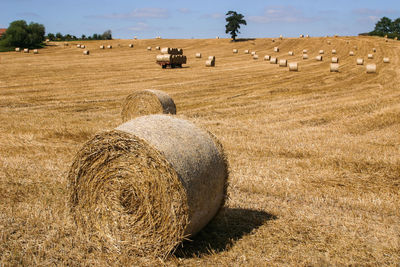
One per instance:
(314,156)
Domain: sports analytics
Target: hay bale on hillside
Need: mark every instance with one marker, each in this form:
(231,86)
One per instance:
(319,58)
(395,38)
(305,51)
(246,51)
(307,36)
(329,42)
(26,50)
(293,66)
(255,56)
(198,55)
(355,47)
(147,102)
(281,36)
(282,63)
(145,186)
(17,49)
(276,49)
(301,36)
(386,60)
(101,47)
(267,57)
(370,56)
(86,52)
(291,53)
(149,48)
(360,61)
(172,51)
(109,46)
(157,48)
(130,45)
(35,51)
(305,56)
(351,53)
(335,60)
(235,51)
(253,53)
(83,46)
(334,67)
(374,50)
(321,52)
(273,60)
(78,46)
(210,62)
(371,68)
(333,51)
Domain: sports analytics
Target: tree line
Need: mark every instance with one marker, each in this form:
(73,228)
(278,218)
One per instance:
(107,35)
(386,26)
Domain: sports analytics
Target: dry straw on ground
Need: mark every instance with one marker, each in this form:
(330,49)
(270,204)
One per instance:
(147,102)
(147,185)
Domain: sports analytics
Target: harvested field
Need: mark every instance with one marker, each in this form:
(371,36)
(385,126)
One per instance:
(314,156)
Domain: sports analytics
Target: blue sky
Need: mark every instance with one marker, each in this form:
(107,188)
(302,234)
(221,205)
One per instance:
(200,19)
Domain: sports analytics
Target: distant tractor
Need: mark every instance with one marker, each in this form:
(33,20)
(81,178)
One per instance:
(171,57)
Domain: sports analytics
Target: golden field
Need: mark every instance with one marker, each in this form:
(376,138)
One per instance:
(314,156)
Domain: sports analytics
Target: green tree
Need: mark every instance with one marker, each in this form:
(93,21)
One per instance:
(20,34)
(234,20)
(107,35)
(51,36)
(384,25)
(59,36)
(396,26)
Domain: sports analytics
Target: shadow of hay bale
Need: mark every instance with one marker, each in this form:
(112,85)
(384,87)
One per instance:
(243,39)
(230,225)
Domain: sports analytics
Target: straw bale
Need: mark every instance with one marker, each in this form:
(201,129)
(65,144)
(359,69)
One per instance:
(351,53)
(109,46)
(273,60)
(131,45)
(319,58)
(157,48)
(246,51)
(235,51)
(386,60)
(395,38)
(370,56)
(273,40)
(198,55)
(305,51)
(83,46)
(305,56)
(17,49)
(293,66)
(210,63)
(147,185)
(334,67)
(360,61)
(301,36)
(255,56)
(217,37)
(147,102)
(291,53)
(374,50)
(163,58)
(267,57)
(172,51)
(86,52)
(253,53)
(335,60)
(282,63)
(101,47)
(149,48)
(307,36)
(78,46)
(321,52)
(281,36)
(276,49)
(371,68)
(333,51)
(211,58)
(26,50)
(35,51)
(329,42)
(355,47)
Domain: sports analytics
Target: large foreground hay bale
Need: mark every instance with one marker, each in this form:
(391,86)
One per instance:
(147,102)
(371,68)
(293,66)
(145,186)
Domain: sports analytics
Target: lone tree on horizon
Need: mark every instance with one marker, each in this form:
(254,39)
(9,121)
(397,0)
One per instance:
(234,20)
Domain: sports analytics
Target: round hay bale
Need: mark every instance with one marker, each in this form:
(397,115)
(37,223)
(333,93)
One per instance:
(157,48)
(329,42)
(217,37)
(235,51)
(305,56)
(255,56)
(276,49)
(26,50)
(334,67)
(273,40)
(301,36)
(291,53)
(360,61)
(386,40)
(307,36)
(351,53)
(335,60)
(374,50)
(78,46)
(198,55)
(163,57)
(130,45)
(109,46)
(246,51)
(319,58)
(273,60)
(35,51)
(333,51)
(321,52)
(386,60)
(305,51)
(282,63)
(149,48)
(211,58)
(371,68)
(86,52)
(102,47)
(147,102)
(370,56)
(134,37)
(210,63)
(253,53)
(17,49)
(148,184)
(293,66)
(355,47)
(395,38)
(83,46)
(281,36)
(267,57)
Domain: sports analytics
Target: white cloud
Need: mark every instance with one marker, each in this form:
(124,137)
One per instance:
(213,16)
(287,14)
(139,13)
(140,27)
